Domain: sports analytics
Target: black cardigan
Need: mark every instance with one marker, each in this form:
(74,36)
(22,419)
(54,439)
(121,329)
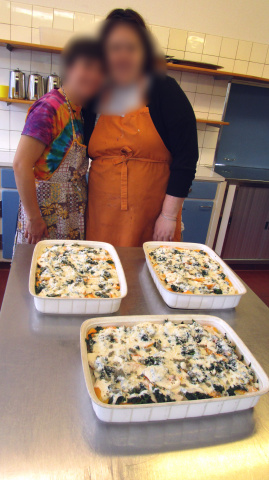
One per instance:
(174,119)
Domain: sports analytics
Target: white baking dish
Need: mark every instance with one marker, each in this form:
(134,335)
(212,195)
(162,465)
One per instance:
(173,410)
(77,305)
(190,301)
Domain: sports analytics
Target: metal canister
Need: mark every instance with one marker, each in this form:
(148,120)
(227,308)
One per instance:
(54,81)
(17,84)
(35,87)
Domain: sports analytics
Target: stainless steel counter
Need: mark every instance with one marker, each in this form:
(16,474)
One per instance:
(48,430)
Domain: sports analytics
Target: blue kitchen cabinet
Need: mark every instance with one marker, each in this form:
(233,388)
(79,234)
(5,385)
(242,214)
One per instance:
(10,204)
(196,216)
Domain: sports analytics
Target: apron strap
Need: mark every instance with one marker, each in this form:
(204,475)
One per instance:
(71,115)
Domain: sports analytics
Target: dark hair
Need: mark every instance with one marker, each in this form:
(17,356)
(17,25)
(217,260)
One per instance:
(129,17)
(81,47)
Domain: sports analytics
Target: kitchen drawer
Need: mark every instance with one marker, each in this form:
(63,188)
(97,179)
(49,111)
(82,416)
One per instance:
(7,178)
(203,190)
(196,216)
(10,205)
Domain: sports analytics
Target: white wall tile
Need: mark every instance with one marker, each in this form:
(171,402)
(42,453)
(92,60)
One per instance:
(201,115)
(4,58)
(202,102)
(267,57)
(177,39)
(56,63)
(215,116)
(201,126)
(210,59)
(258,52)
(17,120)
(35,36)
(19,107)
(176,75)
(4,31)
(207,156)
(41,62)
(226,63)
(63,20)
(4,78)
(4,140)
(240,66)
(83,22)
(195,42)
(194,57)
(255,69)
(189,82)
(20,59)
(191,97)
(228,47)
(212,45)
(5,11)
(42,17)
(21,34)
(220,87)
(210,140)
(217,104)
(161,35)
(4,120)
(179,54)
(98,18)
(21,14)
(266,71)
(201,136)
(14,138)
(243,50)
(205,84)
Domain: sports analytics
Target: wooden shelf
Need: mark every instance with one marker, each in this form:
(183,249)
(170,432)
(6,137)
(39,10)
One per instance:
(216,73)
(16,100)
(30,102)
(11,44)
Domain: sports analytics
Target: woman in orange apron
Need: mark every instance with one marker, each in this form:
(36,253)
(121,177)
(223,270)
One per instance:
(143,145)
(51,163)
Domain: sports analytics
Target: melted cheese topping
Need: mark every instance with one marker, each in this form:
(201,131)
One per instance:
(76,271)
(189,271)
(149,363)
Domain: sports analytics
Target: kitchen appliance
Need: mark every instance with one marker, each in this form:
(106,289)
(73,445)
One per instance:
(17,84)
(35,87)
(53,81)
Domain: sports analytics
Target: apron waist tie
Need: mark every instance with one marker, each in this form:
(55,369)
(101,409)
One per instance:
(123,160)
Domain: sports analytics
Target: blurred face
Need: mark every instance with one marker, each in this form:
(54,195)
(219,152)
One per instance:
(124,55)
(85,78)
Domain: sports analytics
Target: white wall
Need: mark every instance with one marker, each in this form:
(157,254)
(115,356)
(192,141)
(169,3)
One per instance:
(243,19)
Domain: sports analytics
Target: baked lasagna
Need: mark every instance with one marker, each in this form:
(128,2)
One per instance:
(76,271)
(165,362)
(188,271)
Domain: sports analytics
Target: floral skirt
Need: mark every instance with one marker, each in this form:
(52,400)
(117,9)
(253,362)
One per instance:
(62,206)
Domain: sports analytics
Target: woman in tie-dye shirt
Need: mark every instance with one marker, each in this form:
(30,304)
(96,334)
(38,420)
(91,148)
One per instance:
(50,164)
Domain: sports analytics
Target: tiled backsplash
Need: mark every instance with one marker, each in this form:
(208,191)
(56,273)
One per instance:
(22,22)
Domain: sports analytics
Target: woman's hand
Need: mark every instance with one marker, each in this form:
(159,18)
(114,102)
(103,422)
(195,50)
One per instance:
(164,229)
(36,229)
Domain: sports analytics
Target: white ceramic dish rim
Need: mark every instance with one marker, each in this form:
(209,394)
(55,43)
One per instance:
(193,246)
(107,246)
(217,322)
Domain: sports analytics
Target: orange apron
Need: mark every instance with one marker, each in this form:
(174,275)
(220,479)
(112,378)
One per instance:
(127,180)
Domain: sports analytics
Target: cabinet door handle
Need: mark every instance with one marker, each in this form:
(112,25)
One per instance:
(205,207)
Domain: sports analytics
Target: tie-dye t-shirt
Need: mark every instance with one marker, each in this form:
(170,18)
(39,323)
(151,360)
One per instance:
(48,120)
